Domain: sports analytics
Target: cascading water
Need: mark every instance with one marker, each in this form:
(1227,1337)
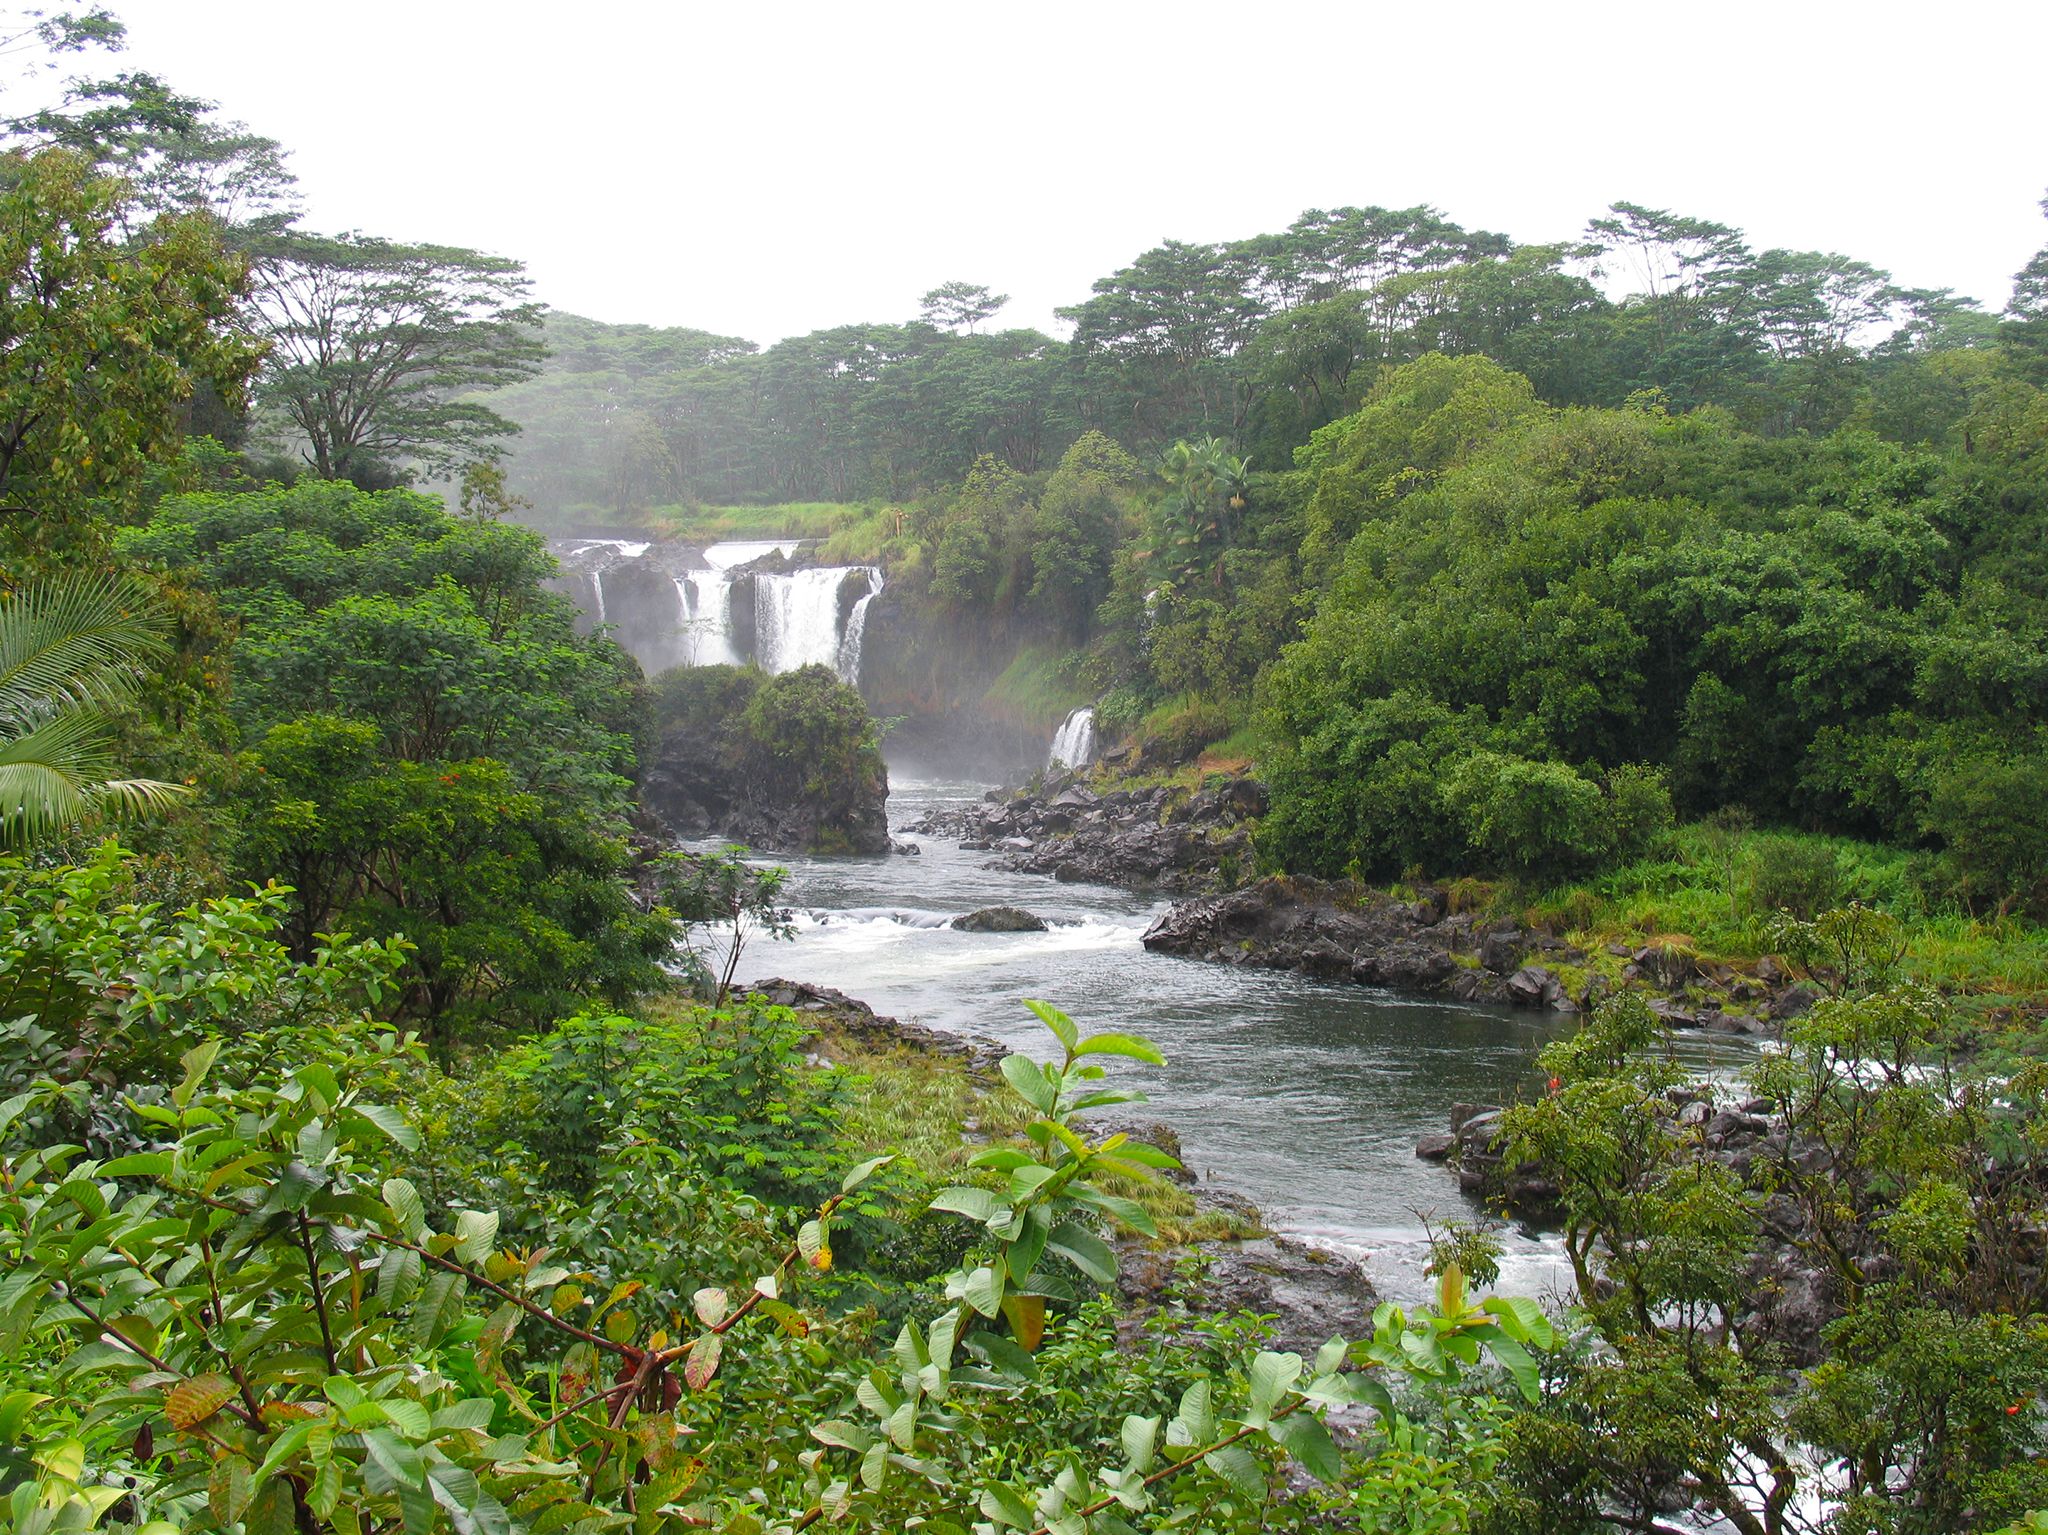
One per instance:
(856,632)
(707,618)
(1074,745)
(796,618)
(671,607)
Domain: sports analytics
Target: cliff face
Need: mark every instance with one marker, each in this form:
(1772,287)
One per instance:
(785,764)
(934,682)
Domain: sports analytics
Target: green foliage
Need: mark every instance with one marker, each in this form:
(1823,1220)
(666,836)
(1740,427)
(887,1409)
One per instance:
(430,751)
(1893,1189)
(245,1309)
(105,339)
(72,651)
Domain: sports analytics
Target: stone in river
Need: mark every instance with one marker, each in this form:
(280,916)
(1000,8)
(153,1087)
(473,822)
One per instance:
(999,919)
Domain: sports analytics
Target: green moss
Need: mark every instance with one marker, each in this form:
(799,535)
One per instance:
(1038,689)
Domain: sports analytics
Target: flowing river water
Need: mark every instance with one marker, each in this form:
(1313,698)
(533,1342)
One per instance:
(1307,1097)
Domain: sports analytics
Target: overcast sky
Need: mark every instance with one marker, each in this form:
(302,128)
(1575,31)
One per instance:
(768,169)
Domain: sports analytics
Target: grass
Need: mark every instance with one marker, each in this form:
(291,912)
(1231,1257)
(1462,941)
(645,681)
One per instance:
(789,519)
(1716,892)
(1036,690)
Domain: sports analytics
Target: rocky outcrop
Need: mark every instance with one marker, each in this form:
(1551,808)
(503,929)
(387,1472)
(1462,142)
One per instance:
(785,764)
(999,919)
(1346,932)
(1153,838)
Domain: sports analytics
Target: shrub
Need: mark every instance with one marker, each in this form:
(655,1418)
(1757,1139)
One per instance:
(1802,875)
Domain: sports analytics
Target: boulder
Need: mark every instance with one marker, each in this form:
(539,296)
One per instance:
(999,919)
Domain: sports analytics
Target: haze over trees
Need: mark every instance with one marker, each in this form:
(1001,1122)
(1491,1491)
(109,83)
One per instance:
(374,1159)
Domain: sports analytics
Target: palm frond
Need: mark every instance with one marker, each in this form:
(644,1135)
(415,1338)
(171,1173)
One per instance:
(55,776)
(75,639)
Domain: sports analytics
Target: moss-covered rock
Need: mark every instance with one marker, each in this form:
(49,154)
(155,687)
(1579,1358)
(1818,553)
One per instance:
(786,764)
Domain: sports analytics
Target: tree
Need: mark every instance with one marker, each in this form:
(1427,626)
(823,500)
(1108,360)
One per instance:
(2026,330)
(959,305)
(377,349)
(101,343)
(70,651)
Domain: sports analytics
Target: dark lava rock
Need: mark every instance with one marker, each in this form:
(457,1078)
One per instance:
(999,919)
(1338,932)
(1312,1294)
(1435,1148)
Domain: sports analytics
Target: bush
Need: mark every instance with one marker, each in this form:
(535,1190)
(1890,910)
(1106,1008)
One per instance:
(1992,819)
(1526,815)
(1802,875)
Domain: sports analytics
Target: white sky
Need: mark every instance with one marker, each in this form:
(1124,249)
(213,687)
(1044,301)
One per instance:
(768,169)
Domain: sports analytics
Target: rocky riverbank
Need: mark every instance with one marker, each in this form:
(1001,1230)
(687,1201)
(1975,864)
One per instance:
(1789,1297)
(1311,1293)
(1151,838)
(1345,932)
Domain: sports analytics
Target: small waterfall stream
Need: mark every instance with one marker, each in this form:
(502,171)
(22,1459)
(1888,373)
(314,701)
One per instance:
(1074,745)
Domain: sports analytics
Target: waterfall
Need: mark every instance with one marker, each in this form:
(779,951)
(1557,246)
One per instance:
(707,618)
(1074,745)
(672,606)
(856,633)
(796,618)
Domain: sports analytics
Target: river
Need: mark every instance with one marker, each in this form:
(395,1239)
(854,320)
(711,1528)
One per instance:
(1305,1096)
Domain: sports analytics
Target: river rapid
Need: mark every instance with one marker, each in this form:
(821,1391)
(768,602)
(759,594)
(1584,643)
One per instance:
(1307,1097)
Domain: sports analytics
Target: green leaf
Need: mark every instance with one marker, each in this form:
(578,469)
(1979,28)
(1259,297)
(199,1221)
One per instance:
(1131,1045)
(1062,1026)
(476,1232)
(840,1435)
(984,1291)
(1006,1508)
(1004,1354)
(197,1062)
(1517,1362)
(391,1122)
(1029,1079)
(1239,1467)
(711,1305)
(862,1173)
(1307,1438)
(408,1210)
(1271,1375)
(1141,1441)
(1085,1250)
(1196,1416)
(975,1204)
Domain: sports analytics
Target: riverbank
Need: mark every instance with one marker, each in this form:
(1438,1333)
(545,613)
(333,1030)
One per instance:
(1690,922)
(937,1098)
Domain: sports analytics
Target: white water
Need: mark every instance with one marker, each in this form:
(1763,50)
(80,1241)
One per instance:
(740,551)
(1074,745)
(856,631)
(796,614)
(796,618)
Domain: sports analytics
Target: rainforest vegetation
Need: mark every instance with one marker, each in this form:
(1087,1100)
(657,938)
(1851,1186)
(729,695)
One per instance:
(383,1146)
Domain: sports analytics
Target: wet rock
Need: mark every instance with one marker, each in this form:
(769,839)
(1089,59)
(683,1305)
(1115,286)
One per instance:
(1501,951)
(1435,1148)
(975,845)
(906,849)
(1015,844)
(1312,1294)
(999,919)
(1529,986)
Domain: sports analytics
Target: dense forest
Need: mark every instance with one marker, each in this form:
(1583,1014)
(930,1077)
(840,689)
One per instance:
(384,1144)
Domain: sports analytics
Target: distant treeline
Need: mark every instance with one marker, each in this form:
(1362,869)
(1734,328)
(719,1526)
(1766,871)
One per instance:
(1258,341)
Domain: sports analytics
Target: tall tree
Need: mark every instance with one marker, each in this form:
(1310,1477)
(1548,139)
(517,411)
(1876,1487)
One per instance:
(960,305)
(379,348)
(2027,332)
(102,341)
